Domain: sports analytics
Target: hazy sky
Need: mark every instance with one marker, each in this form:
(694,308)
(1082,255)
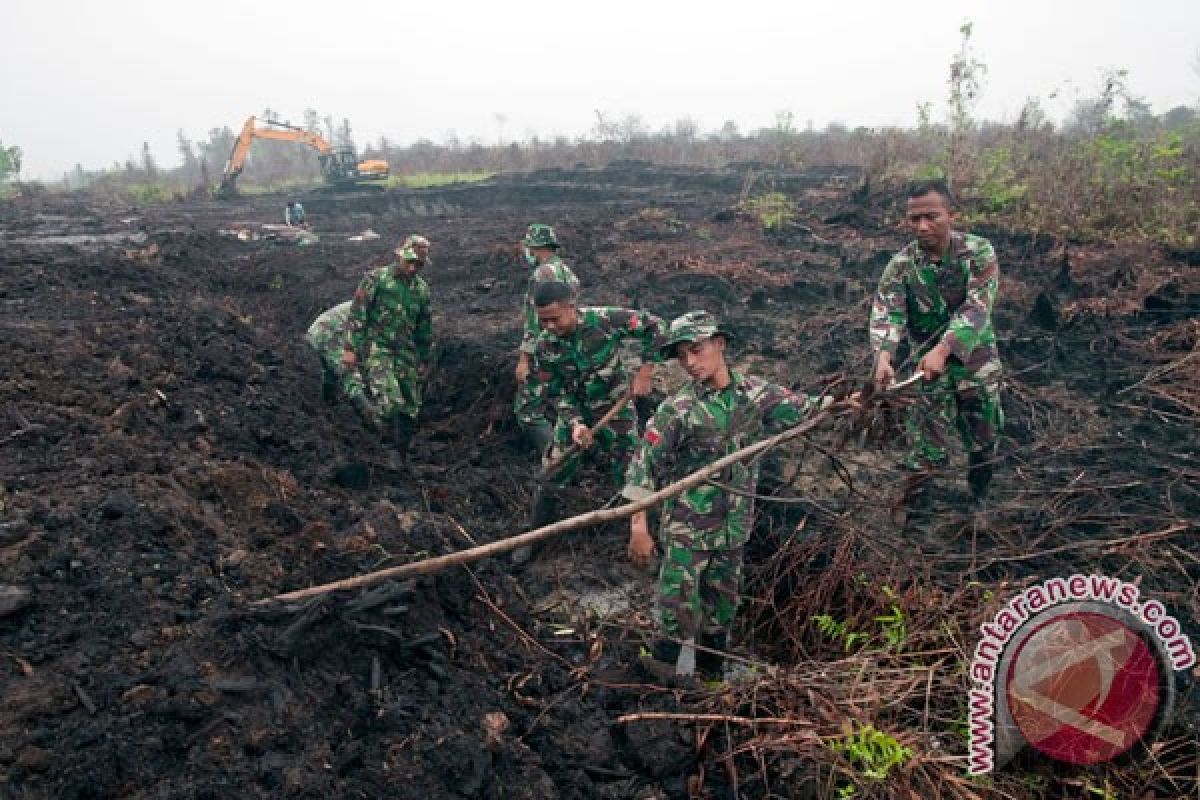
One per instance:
(87,81)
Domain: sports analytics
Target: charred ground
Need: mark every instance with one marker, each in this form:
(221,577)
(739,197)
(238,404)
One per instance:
(166,460)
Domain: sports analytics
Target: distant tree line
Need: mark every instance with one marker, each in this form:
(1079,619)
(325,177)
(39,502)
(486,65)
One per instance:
(1113,168)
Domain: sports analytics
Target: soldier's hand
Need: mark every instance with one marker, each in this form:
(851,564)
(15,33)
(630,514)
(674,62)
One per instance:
(885,373)
(522,369)
(582,436)
(348,358)
(934,362)
(643,381)
(641,544)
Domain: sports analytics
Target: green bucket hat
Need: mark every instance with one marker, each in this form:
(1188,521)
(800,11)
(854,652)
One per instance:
(539,235)
(691,327)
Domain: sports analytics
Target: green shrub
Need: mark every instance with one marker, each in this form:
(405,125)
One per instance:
(872,751)
(146,193)
(774,211)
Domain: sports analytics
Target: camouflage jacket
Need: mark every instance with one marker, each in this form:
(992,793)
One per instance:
(946,300)
(583,372)
(553,270)
(390,314)
(695,428)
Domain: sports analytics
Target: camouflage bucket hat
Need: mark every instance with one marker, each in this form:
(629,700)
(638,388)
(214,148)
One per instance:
(540,235)
(692,327)
(415,240)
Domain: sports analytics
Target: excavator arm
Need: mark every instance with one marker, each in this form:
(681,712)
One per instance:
(336,165)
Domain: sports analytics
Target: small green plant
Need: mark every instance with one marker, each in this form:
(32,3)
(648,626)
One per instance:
(872,751)
(774,211)
(1105,792)
(894,624)
(839,631)
(893,627)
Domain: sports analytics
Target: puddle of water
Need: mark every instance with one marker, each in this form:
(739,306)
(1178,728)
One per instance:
(136,237)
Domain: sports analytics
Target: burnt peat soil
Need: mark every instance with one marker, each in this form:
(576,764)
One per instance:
(166,460)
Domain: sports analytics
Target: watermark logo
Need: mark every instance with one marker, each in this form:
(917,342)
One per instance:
(1080,668)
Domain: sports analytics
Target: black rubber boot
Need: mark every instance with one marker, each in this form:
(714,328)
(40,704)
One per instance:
(543,511)
(711,666)
(979,473)
(400,430)
(365,410)
(661,662)
(329,386)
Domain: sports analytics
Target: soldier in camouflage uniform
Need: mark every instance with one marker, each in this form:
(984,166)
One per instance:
(387,346)
(939,292)
(326,335)
(541,254)
(704,530)
(578,360)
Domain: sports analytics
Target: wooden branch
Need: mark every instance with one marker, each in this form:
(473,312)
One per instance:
(647,716)
(439,563)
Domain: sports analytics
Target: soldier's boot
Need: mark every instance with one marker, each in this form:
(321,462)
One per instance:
(399,431)
(711,665)
(329,386)
(366,411)
(979,474)
(912,502)
(662,661)
(543,511)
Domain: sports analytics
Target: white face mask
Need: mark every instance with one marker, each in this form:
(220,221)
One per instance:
(530,258)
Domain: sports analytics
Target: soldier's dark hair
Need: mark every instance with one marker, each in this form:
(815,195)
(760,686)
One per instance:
(922,188)
(551,292)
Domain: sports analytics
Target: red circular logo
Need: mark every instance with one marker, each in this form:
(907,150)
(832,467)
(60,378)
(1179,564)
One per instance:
(1083,688)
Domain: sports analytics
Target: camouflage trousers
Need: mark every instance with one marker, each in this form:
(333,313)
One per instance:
(385,385)
(613,445)
(957,401)
(530,403)
(698,590)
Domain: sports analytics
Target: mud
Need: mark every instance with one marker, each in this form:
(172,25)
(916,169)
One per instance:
(167,460)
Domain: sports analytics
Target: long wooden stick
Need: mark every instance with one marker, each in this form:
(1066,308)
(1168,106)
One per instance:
(654,716)
(439,563)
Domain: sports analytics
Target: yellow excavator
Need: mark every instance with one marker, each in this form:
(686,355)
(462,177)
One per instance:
(339,165)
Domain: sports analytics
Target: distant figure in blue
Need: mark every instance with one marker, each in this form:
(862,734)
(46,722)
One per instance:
(293,215)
